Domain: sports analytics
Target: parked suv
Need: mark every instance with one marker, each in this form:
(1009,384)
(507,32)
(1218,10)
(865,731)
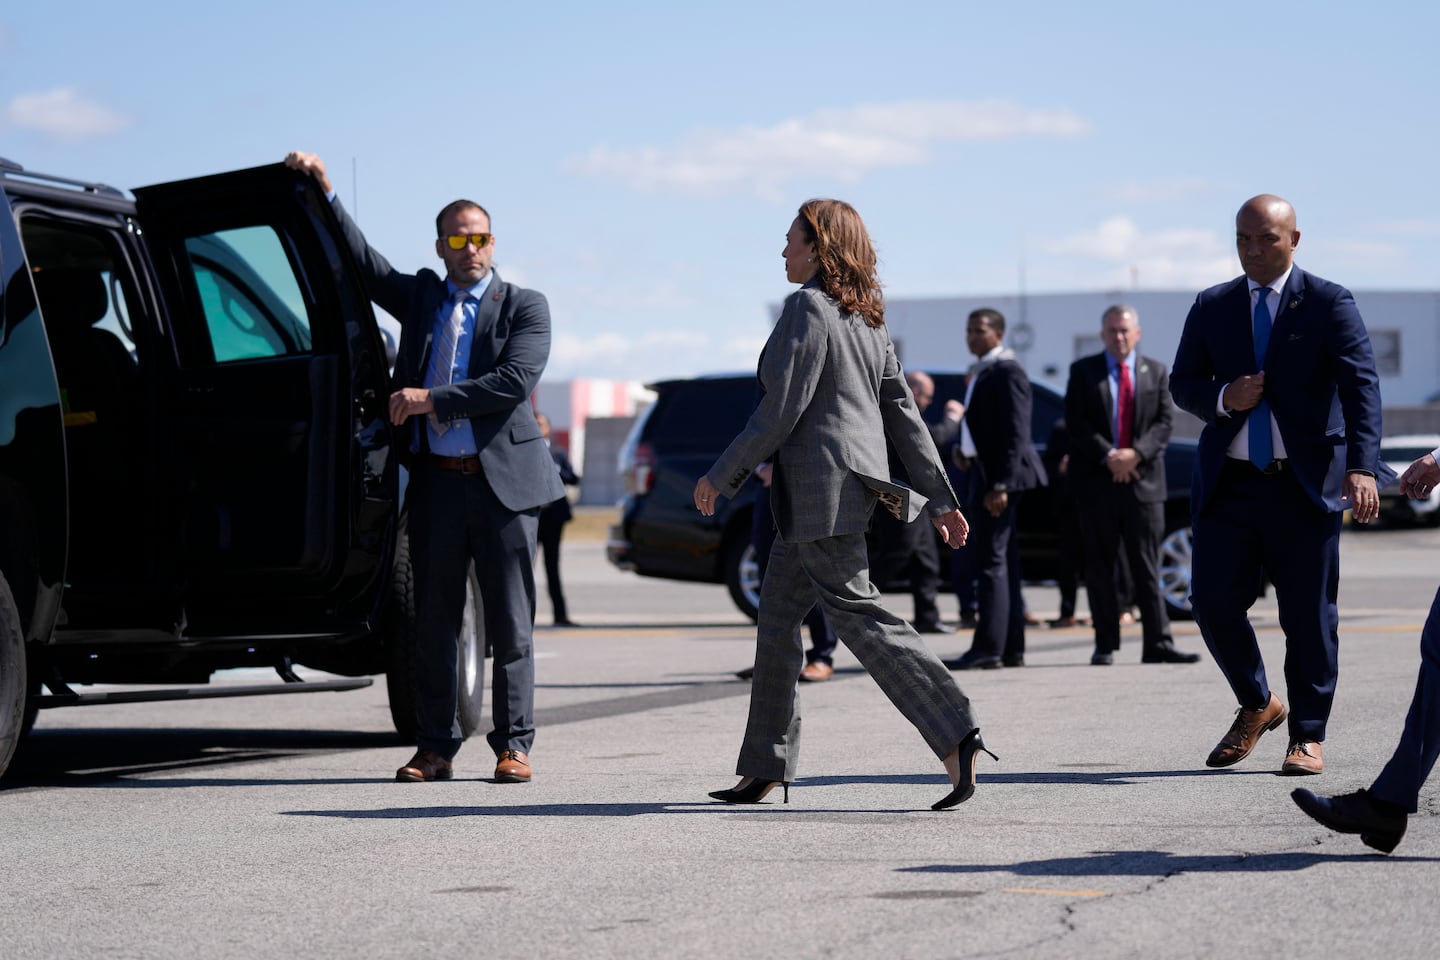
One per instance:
(661,534)
(195,460)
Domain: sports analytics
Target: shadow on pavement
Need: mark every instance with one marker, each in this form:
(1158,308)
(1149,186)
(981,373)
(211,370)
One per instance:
(1157,863)
(88,757)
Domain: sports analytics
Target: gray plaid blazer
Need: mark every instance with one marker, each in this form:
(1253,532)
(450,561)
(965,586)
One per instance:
(833,393)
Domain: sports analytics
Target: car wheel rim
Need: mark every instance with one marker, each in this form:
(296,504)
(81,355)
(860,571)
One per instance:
(469,648)
(750,576)
(1175,552)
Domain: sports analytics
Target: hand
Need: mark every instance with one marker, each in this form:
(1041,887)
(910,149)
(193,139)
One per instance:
(765,471)
(1124,465)
(1124,460)
(953,527)
(409,402)
(1360,491)
(310,164)
(1064,464)
(1420,478)
(1245,392)
(954,409)
(996,501)
(705,496)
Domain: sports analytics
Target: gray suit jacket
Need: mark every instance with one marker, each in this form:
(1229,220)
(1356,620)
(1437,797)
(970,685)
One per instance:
(833,393)
(507,355)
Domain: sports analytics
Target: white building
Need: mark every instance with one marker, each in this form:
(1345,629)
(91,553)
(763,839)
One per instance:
(1049,331)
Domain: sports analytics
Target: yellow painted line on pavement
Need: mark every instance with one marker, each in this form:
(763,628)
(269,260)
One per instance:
(1055,893)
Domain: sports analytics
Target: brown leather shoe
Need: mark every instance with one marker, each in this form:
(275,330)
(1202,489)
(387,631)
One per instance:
(514,767)
(1305,757)
(1245,732)
(817,671)
(425,765)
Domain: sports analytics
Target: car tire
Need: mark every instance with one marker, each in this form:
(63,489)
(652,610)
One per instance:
(742,576)
(13,684)
(1175,571)
(401,633)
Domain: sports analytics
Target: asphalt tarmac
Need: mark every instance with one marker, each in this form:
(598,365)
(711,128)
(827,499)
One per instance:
(271,826)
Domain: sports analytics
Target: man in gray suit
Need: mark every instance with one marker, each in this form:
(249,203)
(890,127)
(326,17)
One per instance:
(1117,411)
(472,348)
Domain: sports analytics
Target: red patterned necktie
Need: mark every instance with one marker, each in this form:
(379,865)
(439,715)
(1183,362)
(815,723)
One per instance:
(1124,409)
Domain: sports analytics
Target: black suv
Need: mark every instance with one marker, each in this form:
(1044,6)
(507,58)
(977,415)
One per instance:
(679,437)
(195,460)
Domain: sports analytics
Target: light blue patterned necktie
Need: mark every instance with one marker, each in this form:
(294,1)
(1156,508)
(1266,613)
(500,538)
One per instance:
(1262,449)
(442,352)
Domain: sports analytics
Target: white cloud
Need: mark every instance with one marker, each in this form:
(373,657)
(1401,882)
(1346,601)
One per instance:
(1137,192)
(843,145)
(1161,258)
(65,114)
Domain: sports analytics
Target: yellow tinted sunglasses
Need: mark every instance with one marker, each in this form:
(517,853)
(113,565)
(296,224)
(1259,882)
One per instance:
(457,241)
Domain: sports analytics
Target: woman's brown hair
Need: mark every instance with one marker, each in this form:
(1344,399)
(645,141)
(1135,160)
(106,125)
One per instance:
(846,257)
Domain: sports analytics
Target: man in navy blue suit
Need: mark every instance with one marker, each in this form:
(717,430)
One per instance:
(1279,366)
(1378,814)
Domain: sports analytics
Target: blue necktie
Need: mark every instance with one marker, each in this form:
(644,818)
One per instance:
(442,352)
(1262,451)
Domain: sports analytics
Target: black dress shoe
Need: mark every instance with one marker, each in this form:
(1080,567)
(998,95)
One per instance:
(973,661)
(969,749)
(1101,658)
(1015,661)
(929,626)
(1357,812)
(1166,653)
(752,792)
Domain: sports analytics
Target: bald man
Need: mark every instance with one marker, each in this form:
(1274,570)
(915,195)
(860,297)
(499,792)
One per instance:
(1279,366)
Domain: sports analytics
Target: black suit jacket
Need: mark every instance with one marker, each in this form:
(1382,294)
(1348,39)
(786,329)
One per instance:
(999,421)
(1089,413)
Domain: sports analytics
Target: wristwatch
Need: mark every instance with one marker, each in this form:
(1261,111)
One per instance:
(999,488)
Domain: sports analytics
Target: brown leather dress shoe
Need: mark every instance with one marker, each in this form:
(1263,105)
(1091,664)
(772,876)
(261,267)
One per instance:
(514,767)
(1304,757)
(1245,732)
(425,765)
(817,671)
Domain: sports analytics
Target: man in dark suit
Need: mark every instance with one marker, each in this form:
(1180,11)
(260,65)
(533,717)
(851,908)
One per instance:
(1117,406)
(909,549)
(553,517)
(1279,366)
(995,447)
(472,348)
(1378,814)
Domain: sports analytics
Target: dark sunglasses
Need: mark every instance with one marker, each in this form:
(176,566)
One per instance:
(457,241)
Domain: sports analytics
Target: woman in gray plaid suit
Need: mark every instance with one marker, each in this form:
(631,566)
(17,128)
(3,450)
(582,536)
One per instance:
(833,394)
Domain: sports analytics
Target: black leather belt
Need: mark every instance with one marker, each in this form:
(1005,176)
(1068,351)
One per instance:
(459,464)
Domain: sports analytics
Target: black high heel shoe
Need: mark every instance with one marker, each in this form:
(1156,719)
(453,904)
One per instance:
(970,748)
(753,792)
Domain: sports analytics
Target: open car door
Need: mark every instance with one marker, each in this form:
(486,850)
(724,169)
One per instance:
(285,492)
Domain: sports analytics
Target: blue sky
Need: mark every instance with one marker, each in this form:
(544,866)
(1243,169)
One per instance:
(642,160)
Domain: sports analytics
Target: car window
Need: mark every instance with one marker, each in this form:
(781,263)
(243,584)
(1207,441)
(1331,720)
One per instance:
(700,415)
(252,302)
